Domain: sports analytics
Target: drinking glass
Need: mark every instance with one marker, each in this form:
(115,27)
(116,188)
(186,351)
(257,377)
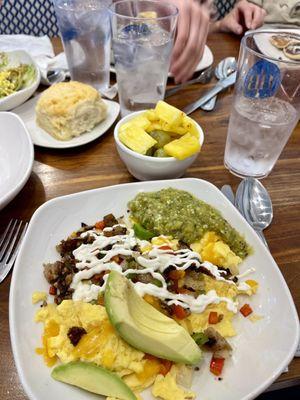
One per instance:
(266,106)
(85,30)
(142,40)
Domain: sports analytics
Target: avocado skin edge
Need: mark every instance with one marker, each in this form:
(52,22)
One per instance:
(118,290)
(93,378)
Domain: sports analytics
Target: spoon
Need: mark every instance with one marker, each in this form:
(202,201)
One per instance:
(254,203)
(222,71)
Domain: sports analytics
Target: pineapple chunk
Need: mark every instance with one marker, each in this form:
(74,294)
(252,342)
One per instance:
(171,116)
(190,125)
(150,115)
(184,147)
(140,121)
(136,139)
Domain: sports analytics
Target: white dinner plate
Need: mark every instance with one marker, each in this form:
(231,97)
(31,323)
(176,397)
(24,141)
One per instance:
(205,62)
(42,138)
(16,156)
(261,350)
(263,43)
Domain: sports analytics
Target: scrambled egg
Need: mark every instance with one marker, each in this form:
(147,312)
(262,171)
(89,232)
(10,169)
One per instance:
(101,344)
(38,296)
(199,322)
(213,249)
(166,387)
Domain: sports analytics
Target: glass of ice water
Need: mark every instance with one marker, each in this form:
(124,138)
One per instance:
(85,30)
(142,41)
(266,105)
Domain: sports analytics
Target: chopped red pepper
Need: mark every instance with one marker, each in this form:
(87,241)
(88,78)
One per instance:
(52,290)
(179,311)
(246,310)
(213,317)
(165,366)
(216,365)
(100,225)
(165,248)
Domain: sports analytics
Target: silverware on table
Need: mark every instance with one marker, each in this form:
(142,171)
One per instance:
(10,244)
(228,192)
(221,85)
(254,203)
(204,77)
(225,67)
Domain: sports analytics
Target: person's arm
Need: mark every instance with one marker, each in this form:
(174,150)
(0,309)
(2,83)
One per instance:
(243,16)
(192,30)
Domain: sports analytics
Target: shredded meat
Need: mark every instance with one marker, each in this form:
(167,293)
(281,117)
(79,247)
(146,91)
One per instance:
(110,220)
(75,334)
(117,230)
(53,271)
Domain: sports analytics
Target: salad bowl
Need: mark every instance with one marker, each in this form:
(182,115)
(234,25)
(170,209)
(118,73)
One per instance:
(31,82)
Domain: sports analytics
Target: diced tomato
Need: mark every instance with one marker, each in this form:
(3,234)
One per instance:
(52,290)
(176,274)
(216,365)
(100,225)
(213,317)
(179,311)
(246,310)
(165,366)
(165,247)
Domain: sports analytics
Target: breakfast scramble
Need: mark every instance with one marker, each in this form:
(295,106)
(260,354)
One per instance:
(193,282)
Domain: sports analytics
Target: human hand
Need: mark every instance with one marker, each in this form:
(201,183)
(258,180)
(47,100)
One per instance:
(244,16)
(192,30)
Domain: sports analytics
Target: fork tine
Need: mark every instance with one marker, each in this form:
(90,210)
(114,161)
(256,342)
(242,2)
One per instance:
(12,243)
(5,232)
(7,267)
(7,238)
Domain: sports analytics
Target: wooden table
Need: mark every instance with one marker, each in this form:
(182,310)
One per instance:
(60,172)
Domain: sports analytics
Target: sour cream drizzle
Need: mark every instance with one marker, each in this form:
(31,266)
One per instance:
(92,259)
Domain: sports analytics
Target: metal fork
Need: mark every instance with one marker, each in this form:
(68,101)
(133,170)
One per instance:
(10,244)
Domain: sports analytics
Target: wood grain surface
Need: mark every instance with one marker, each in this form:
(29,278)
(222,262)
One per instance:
(59,172)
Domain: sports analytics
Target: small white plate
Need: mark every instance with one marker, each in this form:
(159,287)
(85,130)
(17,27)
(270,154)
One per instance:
(205,62)
(16,156)
(261,350)
(265,46)
(16,58)
(42,138)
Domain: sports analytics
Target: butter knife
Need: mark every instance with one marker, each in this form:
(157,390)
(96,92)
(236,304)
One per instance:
(221,85)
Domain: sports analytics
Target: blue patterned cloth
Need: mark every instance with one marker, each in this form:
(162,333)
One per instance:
(224,6)
(30,17)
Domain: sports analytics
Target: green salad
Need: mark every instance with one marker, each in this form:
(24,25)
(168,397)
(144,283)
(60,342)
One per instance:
(14,78)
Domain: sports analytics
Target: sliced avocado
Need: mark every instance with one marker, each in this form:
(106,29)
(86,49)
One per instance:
(93,378)
(145,328)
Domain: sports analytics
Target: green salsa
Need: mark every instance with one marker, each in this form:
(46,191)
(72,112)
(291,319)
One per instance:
(179,214)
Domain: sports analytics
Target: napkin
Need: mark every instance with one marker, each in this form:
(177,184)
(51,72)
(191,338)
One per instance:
(41,50)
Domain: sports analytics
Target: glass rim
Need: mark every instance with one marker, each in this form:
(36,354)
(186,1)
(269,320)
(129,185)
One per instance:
(163,3)
(271,31)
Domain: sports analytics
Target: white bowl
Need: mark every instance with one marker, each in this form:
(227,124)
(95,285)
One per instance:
(16,156)
(16,58)
(150,168)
